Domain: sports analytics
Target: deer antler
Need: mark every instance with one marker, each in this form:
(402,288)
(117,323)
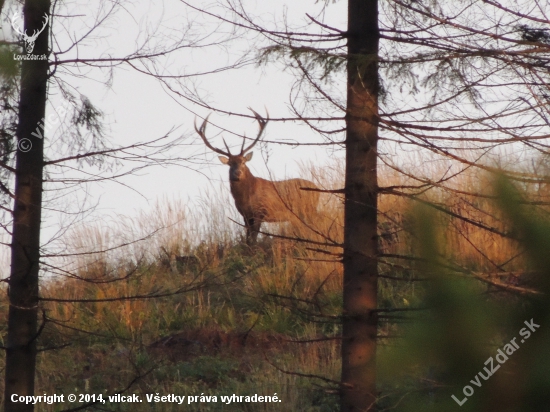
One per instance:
(35,33)
(201,131)
(14,25)
(262,122)
(29,40)
(24,33)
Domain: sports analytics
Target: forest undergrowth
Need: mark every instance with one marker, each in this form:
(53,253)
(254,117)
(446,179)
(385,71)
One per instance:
(190,309)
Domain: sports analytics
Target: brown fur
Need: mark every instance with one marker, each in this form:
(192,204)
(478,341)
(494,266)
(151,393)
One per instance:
(259,200)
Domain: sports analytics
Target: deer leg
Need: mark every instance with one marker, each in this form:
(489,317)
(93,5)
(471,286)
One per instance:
(250,238)
(252,229)
(256,229)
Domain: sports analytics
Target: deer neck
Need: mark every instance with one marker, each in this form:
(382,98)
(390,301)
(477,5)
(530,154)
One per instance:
(243,189)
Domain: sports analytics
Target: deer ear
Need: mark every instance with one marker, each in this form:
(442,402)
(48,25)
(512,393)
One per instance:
(248,156)
(224,160)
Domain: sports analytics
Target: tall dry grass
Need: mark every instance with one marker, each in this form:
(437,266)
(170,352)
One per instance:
(182,267)
(180,247)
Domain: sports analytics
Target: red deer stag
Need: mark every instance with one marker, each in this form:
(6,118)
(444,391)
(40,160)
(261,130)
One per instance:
(259,200)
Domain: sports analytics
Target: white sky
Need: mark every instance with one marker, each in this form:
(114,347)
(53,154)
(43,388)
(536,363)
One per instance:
(137,108)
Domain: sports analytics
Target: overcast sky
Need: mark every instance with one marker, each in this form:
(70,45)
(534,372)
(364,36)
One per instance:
(138,108)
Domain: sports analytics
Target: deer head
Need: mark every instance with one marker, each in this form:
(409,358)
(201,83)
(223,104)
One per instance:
(236,163)
(29,40)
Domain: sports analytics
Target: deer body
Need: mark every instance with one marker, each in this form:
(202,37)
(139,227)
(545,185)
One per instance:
(259,200)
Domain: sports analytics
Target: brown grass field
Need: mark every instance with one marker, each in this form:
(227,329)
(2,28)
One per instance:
(190,309)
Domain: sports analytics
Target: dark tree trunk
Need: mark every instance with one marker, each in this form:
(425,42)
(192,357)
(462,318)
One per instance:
(25,253)
(360,229)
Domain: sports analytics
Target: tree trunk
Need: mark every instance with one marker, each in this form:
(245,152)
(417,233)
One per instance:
(25,253)
(358,391)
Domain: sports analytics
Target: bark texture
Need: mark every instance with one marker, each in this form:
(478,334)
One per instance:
(25,246)
(360,226)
